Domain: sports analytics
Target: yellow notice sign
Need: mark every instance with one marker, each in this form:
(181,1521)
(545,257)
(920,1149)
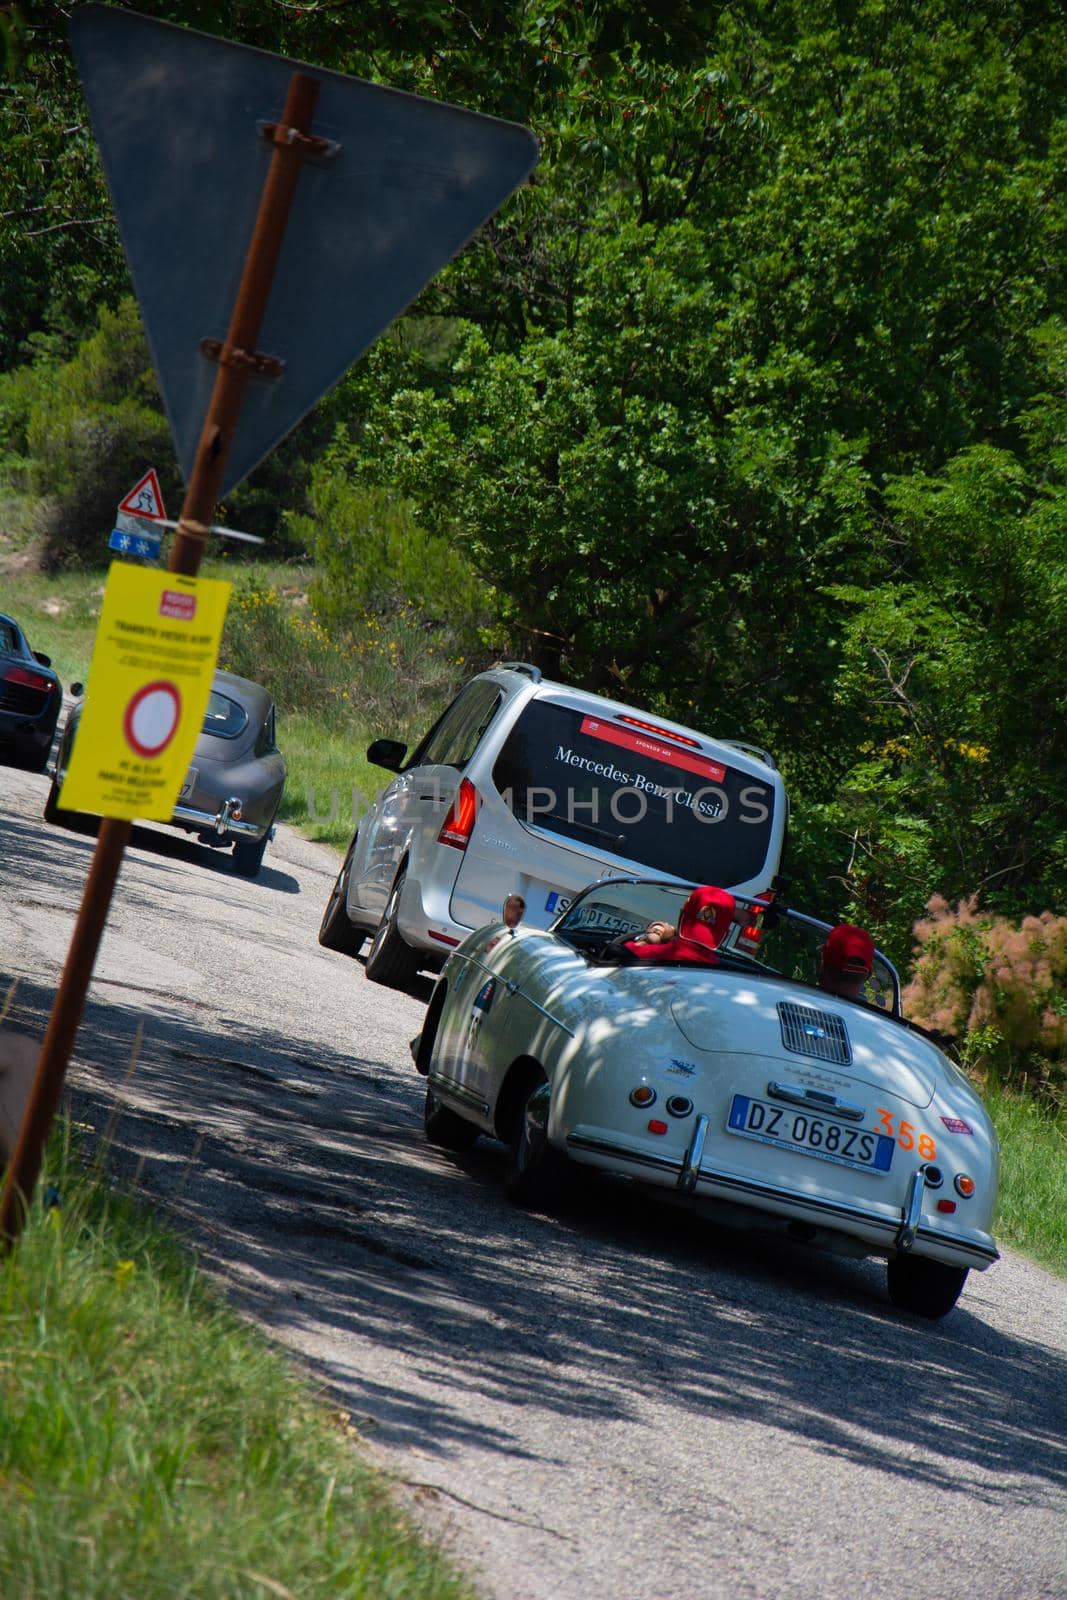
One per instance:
(153,661)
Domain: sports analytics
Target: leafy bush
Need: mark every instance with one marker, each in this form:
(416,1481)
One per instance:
(1000,988)
(388,672)
(375,559)
(92,431)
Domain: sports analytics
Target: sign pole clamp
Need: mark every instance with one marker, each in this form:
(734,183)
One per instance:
(230,355)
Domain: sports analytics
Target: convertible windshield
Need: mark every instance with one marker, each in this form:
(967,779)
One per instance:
(788,946)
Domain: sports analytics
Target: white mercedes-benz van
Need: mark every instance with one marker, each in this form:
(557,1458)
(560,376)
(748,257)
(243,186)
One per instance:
(532,788)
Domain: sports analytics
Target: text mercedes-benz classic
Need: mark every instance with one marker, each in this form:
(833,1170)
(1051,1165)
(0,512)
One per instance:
(541,787)
(739,1087)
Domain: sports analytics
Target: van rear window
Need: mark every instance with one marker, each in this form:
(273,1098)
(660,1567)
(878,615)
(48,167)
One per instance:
(610,787)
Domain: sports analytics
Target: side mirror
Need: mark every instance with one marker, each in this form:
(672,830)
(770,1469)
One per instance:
(388,753)
(46,661)
(77,690)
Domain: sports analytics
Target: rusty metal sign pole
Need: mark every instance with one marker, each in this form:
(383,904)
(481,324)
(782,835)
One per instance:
(237,358)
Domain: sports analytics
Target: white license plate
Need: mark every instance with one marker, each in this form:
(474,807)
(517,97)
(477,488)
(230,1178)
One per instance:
(822,1137)
(186,790)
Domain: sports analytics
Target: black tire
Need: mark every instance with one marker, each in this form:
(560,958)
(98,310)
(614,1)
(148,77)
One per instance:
(926,1288)
(33,759)
(248,855)
(52,813)
(336,932)
(60,818)
(446,1128)
(537,1175)
(389,959)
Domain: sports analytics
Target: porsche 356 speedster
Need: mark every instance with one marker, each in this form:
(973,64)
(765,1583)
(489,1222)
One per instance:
(741,1088)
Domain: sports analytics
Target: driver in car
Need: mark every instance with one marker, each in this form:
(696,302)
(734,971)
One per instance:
(703,924)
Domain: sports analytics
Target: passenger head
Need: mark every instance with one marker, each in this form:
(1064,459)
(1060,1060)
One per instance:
(707,915)
(513,911)
(847,961)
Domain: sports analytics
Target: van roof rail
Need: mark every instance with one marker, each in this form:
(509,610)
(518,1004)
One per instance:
(520,666)
(752,750)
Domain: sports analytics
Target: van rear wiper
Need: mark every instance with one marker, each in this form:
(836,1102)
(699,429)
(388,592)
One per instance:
(543,817)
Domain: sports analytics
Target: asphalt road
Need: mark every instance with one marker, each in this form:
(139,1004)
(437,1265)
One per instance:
(619,1403)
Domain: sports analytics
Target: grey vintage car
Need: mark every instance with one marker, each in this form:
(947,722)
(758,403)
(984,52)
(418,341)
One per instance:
(234,784)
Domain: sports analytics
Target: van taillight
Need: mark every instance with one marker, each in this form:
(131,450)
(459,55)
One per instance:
(457,826)
(750,936)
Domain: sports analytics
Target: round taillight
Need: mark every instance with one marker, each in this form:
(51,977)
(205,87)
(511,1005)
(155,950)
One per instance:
(964,1185)
(933,1175)
(643,1095)
(679,1105)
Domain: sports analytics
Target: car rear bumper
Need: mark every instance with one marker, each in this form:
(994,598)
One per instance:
(885,1229)
(220,822)
(27,731)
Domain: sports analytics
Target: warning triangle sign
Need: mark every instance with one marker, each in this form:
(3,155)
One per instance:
(145,499)
(179,118)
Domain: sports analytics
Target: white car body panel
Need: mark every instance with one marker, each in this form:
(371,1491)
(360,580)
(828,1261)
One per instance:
(710,1034)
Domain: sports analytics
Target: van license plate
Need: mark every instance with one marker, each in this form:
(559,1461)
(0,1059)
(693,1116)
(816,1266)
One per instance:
(822,1137)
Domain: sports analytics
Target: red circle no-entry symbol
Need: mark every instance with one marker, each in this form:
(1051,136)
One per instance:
(152,718)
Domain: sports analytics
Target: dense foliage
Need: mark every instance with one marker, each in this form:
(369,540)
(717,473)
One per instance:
(999,989)
(750,407)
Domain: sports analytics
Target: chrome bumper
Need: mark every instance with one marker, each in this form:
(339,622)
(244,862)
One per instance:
(221,822)
(895,1232)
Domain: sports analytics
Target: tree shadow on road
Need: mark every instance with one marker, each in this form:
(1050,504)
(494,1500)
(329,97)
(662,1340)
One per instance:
(43,848)
(302,1176)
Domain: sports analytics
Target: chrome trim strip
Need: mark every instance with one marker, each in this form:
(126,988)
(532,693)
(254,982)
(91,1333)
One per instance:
(687,1178)
(980,1251)
(770,1191)
(458,1091)
(913,1210)
(219,822)
(818,1098)
(514,990)
(608,1147)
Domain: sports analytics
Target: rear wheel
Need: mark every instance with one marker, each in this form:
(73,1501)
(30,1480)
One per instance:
(54,812)
(927,1288)
(248,855)
(537,1175)
(444,1127)
(390,960)
(336,932)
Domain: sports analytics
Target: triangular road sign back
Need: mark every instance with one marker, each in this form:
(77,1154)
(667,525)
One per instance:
(145,499)
(177,116)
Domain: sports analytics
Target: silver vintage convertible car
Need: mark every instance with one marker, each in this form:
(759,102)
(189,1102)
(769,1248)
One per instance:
(740,1088)
(234,785)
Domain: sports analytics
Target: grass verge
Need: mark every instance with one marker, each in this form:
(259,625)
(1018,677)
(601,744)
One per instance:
(1032,1204)
(330,783)
(152,1445)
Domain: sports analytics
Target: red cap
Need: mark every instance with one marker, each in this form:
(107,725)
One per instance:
(848,949)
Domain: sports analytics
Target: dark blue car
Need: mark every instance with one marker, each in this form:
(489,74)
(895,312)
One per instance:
(30,698)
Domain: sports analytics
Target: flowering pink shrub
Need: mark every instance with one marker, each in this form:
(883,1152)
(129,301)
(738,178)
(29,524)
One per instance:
(1000,989)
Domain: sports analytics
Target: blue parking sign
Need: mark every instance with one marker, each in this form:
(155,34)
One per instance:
(139,545)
